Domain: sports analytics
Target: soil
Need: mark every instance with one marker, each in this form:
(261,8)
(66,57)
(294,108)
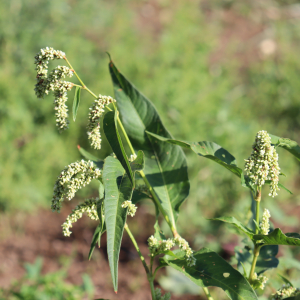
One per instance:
(26,237)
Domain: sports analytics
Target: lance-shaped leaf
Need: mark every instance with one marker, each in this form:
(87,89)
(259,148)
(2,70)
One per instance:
(287,144)
(110,128)
(231,220)
(277,237)
(213,270)
(76,101)
(98,162)
(208,150)
(118,188)
(165,164)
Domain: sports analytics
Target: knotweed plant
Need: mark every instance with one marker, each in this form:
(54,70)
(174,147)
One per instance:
(158,160)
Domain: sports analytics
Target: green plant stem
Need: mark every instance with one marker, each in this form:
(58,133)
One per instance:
(256,250)
(257,200)
(255,256)
(83,85)
(149,274)
(207,293)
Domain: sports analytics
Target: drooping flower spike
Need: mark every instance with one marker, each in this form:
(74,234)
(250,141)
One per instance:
(71,179)
(89,206)
(93,127)
(53,82)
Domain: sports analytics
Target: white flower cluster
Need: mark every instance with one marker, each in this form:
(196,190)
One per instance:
(89,206)
(132,157)
(184,245)
(156,246)
(265,225)
(93,127)
(53,82)
(285,291)
(158,295)
(259,281)
(71,179)
(263,163)
(60,107)
(42,59)
(131,207)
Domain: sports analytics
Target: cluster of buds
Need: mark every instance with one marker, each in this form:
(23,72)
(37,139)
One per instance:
(265,225)
(159,296)
(52,82)
(157,247)
(131,208)
(96,111)
(71,179)
(259,282)
(262,164)
(284,292)
(89,206)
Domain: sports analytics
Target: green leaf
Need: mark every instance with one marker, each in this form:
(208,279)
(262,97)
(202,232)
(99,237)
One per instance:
(212,270)
(231,220)
(277,237)
(285,280)
(293,298)
(101,189)
(118,188)
(139,163)
(76,102)
(98,162)
(280,185)
(112,134)
(208,150)
(287,144)
(266,260)
(96,238)
(101,228)
(165,164)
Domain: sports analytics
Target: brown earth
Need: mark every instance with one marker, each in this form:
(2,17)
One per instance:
(25,237)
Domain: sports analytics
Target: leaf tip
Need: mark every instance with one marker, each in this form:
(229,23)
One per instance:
(108,56)
(78,147)
(116,292)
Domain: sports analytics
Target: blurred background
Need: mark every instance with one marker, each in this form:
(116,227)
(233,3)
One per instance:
(217,70)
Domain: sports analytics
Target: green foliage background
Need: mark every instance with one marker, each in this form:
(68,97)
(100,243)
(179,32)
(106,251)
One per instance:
(174,52)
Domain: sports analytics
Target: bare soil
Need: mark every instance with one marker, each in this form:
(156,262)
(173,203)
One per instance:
(25,237)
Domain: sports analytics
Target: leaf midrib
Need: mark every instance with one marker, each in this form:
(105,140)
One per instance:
(155,153)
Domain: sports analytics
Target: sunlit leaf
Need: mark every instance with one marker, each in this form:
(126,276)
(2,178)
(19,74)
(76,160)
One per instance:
(110,128)
(208,150)
(287,144)
(231,220)
(165,164)
(277,237)
(213,270)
